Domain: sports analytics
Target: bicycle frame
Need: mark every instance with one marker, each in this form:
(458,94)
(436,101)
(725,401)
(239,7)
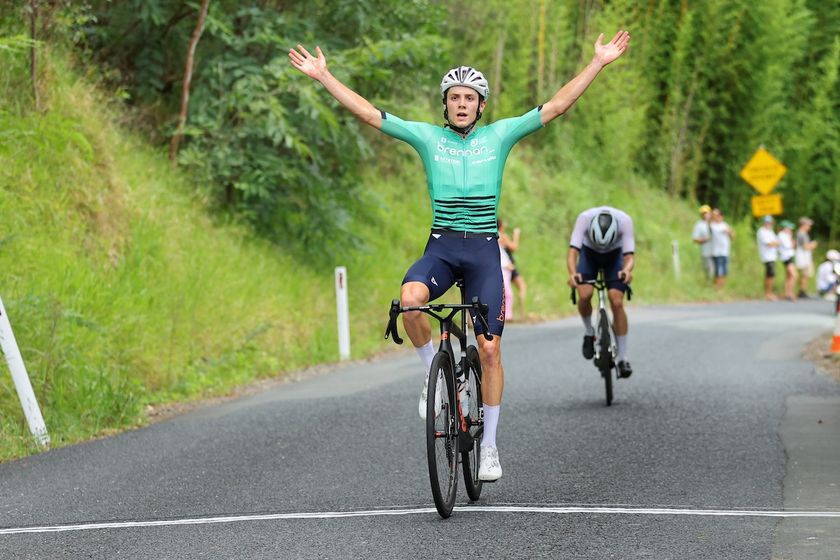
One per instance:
(447,328)
(600,286)
(461,429)
(606,350)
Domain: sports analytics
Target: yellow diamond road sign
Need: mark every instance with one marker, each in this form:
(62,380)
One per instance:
(763,171)
(767,204)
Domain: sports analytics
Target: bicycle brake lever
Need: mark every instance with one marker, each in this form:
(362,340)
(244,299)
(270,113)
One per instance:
(392,322)
(481,310)
(574,296)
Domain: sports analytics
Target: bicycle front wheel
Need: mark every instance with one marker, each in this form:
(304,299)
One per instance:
(475,425)
(442,434)
(605,354)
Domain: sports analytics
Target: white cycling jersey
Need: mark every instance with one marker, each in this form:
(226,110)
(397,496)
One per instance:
(624,239)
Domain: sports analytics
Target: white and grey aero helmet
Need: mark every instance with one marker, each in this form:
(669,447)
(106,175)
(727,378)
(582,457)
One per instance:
(466,76)
(603,230)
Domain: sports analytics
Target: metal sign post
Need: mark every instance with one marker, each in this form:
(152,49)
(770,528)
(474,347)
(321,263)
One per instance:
(343,312)
(21,379)
(675,256)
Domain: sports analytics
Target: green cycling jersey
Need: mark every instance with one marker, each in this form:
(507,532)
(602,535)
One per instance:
(464,175)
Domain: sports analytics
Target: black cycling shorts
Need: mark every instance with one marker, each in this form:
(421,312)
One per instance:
(612,263)
(477,260)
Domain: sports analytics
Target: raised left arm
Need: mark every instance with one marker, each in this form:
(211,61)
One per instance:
(569,93)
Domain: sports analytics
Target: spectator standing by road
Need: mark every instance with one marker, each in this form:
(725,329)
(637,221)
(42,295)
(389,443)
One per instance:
(826,277)
(511,245)
(507,271)
(804,259)
(786,255)
(702,235)
(721,243)
(768,252)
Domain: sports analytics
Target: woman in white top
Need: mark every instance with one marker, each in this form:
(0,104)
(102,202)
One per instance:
(768,252)
(786,255)
(721,241)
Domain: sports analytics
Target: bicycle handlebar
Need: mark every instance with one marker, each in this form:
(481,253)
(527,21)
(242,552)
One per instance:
(480,312)
(595,283)
(392,322)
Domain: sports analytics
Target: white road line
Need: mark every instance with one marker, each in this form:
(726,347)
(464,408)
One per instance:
(556,510)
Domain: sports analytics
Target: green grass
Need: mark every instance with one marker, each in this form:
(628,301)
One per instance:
(123,292)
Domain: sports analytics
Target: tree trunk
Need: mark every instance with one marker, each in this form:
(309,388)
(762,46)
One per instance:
(541,52)
(498,58)
(185,89)
(33,52)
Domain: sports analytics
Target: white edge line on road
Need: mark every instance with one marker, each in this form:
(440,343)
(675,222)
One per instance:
(414,511)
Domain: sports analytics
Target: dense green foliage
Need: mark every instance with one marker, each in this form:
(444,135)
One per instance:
(131,284)
(264,143)
(704,85)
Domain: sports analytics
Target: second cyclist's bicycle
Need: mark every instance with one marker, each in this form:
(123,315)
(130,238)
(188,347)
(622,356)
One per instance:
(453,427)
(605,347)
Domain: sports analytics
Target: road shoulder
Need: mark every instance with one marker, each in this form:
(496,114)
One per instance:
(810,431)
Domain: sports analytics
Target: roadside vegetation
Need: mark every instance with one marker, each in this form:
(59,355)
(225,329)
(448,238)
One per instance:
(132,282)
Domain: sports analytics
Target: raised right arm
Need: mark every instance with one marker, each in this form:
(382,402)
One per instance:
(316,68)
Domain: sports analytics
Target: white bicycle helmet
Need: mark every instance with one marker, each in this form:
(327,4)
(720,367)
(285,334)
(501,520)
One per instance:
(466,76)
(603,230)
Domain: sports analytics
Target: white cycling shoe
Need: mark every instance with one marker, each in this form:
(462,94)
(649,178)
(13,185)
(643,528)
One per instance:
(489,468)
(424,395)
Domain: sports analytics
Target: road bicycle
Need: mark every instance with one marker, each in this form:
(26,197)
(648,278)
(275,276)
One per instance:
(605,347)
(453,431)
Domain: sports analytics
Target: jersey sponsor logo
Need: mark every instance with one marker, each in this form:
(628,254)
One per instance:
(445,159)
(434,281)
(476,151)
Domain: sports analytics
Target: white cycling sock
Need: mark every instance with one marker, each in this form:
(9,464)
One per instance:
(622,347)
(426,353)
(491,420)
(587,323)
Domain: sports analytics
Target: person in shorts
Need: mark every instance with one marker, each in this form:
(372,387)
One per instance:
(768,252)
(721,242)
(786,256)
(702,236)
(826,276)
(804,258)
(464,164)
(603,238)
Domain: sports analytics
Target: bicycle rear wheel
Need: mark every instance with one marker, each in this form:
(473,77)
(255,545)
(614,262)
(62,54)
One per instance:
(442,434)
(605,358)
(475,425)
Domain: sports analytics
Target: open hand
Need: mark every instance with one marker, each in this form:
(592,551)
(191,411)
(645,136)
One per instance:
(312,66)
(608,52)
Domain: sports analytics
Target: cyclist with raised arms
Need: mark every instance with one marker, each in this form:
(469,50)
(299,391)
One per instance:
(603,239)
(463,166)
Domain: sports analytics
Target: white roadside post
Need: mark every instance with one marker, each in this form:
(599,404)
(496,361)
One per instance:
(675,255)
(21,379)
(343,313)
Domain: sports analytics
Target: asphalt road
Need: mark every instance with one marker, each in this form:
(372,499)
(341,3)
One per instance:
(725,443)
